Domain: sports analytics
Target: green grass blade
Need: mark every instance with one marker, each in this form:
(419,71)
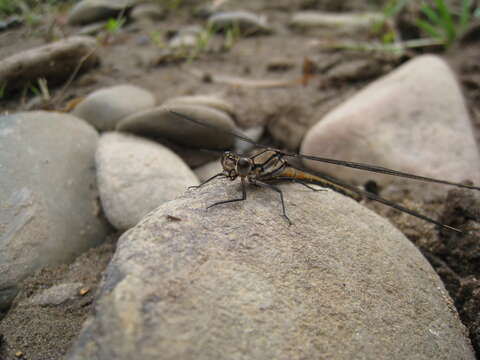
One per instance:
(430,29)
(394,7)
(446,20)
(464,15)
(431,15)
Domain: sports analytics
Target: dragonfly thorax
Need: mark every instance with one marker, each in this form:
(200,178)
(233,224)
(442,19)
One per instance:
(244,166)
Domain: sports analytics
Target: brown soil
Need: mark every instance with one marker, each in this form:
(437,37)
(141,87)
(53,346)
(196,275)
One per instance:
(131,56)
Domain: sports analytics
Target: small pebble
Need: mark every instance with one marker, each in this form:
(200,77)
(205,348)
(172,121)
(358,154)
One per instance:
(248,23)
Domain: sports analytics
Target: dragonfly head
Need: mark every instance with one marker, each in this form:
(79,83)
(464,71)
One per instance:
(229,164)
(234,165)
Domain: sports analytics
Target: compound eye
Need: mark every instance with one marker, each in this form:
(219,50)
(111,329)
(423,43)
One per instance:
(244,165)
(228,161)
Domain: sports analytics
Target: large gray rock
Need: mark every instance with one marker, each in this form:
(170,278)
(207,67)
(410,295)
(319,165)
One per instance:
(48,200)
(160,122)
(413,120)
(105,107)
(88,11)
(236,282)
(136,175)
(55,62)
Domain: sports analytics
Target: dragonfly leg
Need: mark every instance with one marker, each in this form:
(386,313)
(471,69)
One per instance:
(244,197)
(206,181)
(274,188)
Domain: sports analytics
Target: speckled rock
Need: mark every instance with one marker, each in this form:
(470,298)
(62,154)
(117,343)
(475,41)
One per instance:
(159,122)
(54,62)
(340,283)
(48,200)
(104,108)
(136,175)
(88,11)
(413,120)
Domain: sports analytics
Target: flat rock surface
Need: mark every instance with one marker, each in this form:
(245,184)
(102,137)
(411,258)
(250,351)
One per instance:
(341,283)
(136,175)
(427,133)
(48,198)
(54,62)
(104,108)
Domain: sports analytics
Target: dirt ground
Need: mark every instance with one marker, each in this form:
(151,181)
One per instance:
(133,56)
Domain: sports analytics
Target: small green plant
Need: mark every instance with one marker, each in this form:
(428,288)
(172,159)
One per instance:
(441,23)
(203,39)
(114,25)
(384,28)
(157,38)
(8,7)
(232,35)
(174,4)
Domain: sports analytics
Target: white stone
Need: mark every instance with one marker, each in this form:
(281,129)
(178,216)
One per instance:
(413,120)
(136,175)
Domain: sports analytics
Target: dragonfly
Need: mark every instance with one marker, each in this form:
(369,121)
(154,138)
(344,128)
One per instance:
(271,166)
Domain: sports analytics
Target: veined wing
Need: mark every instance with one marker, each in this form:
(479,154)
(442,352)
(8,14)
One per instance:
(347,189)
(350,164)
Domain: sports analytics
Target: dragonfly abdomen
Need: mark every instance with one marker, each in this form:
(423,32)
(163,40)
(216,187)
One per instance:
(289,173)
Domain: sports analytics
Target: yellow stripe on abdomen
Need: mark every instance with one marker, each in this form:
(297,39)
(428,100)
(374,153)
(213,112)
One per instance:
(292,173)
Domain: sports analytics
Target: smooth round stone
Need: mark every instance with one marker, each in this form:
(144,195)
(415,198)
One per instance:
(248,23)
(148,11)
(159,122)
(136,175)
(342,22)
(88,11)
(55,62)
(340,283)
(413,120)
(213,101)
(104,108)
(49,210)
